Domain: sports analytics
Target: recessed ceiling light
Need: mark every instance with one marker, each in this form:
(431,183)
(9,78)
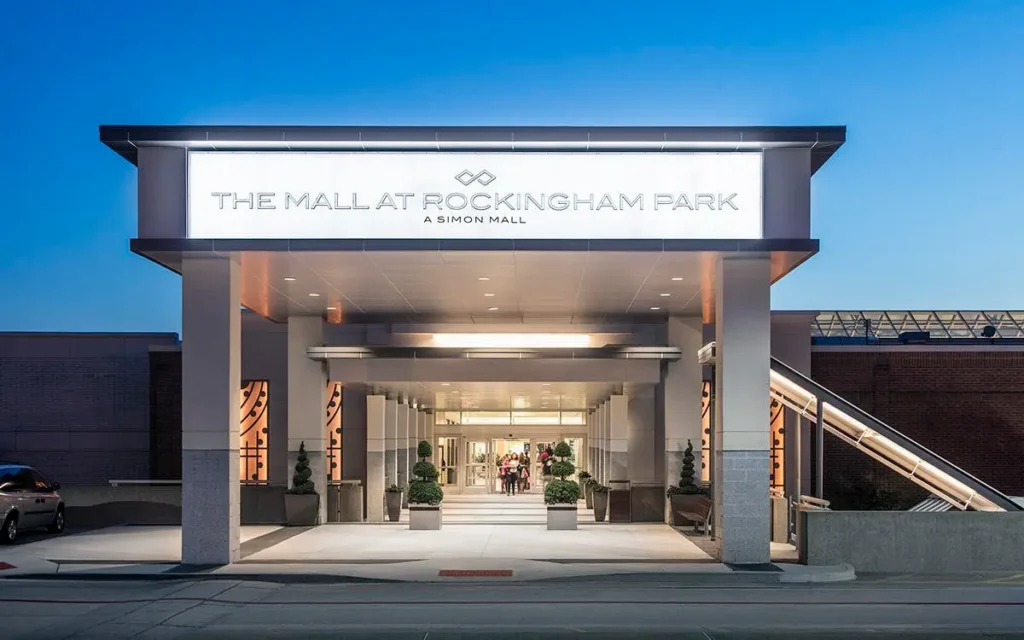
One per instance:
(488,295)
(492,308)
(446,384)
(314,295)
(289,279)
(665,295)
(655,308)
(545,384)
(677,279)
(483,279)
(332,308)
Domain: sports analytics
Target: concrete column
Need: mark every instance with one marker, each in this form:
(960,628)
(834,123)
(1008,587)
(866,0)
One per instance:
(743,350)
(402,446)
(391,440)
(376,446)
(640,434)
(606,440)
(210,410)
(618,437)
(414,438)
(681,399)
(307,385)
(429,427)
(598,442)
(592,443)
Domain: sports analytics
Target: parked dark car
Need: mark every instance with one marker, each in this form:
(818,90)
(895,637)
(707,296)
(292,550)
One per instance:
(28,501)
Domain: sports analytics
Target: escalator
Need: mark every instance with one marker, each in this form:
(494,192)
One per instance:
(885,444)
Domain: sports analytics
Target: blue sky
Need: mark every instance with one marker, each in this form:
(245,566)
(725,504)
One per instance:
(920,209)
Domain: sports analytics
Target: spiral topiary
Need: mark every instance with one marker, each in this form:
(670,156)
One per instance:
(686,486)
(302,483)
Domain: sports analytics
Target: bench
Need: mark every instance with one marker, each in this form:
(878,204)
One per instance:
(700,513)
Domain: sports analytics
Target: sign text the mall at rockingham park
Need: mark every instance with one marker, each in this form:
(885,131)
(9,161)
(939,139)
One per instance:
(274,195)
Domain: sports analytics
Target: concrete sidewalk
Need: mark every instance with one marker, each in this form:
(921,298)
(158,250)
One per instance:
(393,553)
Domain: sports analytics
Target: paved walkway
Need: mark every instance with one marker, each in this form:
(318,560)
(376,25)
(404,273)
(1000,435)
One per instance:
(393,552)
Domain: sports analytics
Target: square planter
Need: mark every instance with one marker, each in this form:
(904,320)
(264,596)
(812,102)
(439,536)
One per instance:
(562,517)
(683,503)
(301,510)
(424,517)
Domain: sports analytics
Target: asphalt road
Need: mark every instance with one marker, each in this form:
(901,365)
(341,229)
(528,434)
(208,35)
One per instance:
(636,609)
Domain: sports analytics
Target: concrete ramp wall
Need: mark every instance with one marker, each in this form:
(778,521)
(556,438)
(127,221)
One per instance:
(913,542)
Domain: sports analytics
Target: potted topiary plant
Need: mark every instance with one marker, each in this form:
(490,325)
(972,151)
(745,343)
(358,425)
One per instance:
(561,495)
(585,488)
(685,496)
(301,501)
(393,501)
(425,495)
(599,494)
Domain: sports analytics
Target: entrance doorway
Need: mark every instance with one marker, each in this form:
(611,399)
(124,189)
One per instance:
(478,469)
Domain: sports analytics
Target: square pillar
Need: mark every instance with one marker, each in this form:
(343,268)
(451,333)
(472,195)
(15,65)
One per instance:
(606,441)
(642,453)
(402,447)
(376,444)
(428,426)
(618,434)
(681,399)
(413,418)
(307,402)
(741,442)
(210,410)
(391,439)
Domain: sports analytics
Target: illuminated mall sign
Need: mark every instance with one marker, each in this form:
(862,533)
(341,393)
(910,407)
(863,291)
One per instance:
(291,195)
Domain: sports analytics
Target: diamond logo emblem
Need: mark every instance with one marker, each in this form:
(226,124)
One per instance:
(467,177)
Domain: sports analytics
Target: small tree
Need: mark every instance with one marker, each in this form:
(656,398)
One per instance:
(686,486)
(562,491)
(302,482)
(424,488)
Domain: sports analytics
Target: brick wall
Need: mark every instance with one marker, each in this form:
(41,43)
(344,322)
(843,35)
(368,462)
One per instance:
(968,407)
(165,415)
(76,406)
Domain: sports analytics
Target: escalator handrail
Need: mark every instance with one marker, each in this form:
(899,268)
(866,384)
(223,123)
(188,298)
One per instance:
(899,438)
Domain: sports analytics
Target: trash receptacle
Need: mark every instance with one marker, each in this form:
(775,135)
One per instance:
(620,501)
(350,501)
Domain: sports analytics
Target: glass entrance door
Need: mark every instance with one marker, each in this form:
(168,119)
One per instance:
(477,467)
(502,447)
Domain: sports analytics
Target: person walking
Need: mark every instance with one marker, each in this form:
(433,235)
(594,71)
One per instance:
(512,475)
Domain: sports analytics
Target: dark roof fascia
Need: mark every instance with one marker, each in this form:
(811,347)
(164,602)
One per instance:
(126,139)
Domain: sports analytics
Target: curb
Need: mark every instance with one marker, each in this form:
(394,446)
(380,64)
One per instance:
(838,573)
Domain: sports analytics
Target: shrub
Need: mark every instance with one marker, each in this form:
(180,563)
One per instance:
(423,492)
(600,488)
(394,489)
(424,450)
(562,469)
(563,450)
(302,483)
(584,476)
(424,471)
(686,486)
(561,492)
(424,488)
